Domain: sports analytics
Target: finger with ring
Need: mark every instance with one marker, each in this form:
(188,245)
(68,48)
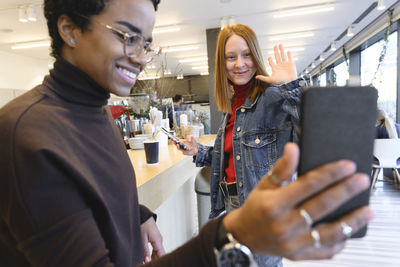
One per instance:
(346,229)
(316,238)
(273,178)
(306,216)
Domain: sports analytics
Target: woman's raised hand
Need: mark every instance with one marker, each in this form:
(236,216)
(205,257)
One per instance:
(283,69)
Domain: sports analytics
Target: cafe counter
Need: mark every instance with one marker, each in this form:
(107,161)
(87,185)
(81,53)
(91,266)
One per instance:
(167,188)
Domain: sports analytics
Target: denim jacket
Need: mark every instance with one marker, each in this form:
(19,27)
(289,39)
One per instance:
(261,130)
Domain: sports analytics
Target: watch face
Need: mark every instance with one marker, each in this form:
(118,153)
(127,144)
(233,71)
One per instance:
(233,257)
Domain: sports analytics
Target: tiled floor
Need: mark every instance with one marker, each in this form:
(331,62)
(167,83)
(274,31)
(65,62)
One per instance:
(381,246)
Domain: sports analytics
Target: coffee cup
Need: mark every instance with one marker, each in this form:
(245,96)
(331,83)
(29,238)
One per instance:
(151,151)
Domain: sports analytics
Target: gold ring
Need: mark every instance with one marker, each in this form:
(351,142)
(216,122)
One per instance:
(306,216)
(273,178)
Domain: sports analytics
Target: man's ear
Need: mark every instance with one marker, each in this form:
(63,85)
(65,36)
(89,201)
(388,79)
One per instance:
(67,30)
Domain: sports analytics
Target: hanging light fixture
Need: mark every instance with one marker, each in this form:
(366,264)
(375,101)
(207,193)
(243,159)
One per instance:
(22,14)
(321,57)
(350,32)
(31,13)
(313,65)
(381,5)
(333,46)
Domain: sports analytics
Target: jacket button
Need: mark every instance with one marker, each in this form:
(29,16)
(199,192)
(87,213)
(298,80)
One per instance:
(238,129)
(242,110)
(237,157)
(240,184)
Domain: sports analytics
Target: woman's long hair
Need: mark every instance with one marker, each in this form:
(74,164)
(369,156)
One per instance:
(224,91)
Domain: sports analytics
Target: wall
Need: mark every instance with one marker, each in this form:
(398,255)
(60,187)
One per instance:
(18,74)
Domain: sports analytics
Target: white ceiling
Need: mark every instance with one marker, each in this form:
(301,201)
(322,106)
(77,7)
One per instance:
(195,16)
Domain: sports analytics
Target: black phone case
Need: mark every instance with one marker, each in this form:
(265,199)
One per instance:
(338,123)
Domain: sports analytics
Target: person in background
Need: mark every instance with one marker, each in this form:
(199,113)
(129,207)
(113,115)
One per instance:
(386,127)
(68,193)
(177,101)
(261,115)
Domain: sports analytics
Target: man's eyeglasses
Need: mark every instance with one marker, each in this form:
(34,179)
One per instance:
(134,43)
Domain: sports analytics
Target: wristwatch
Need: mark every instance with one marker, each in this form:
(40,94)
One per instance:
(229,252)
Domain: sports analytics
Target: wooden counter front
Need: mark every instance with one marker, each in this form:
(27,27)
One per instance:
(157,182)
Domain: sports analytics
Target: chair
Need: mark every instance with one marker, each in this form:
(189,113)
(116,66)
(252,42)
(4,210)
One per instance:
(387,151)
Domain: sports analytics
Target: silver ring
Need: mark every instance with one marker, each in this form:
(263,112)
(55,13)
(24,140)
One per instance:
(306,216)
(346,229)
(273,178)
(316,238)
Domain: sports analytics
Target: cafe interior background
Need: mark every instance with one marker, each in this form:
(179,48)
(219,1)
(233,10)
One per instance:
(333,43)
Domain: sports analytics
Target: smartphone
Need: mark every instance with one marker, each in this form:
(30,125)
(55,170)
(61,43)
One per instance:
(338,123)
(173,138)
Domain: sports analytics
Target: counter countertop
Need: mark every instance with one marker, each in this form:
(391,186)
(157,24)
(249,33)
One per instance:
(168,156)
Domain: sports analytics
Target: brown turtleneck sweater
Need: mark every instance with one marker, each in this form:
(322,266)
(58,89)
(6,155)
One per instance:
(68,192)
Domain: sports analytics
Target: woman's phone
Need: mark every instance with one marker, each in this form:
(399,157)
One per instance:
(173,138)
(338,123)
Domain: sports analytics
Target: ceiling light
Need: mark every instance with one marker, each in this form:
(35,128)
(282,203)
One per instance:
(381,5)
(31,13)
(291,49)
(149,78)
(350,32)
(306,71)
(292,36)
(321,57)
(223,23)
(303,11)
(313,65)
(23,16)
(167,72)
(193,59)
(181,48)
(200,67)
(333,46)
(166,29)
(179,77)
(31,45)
(204,73)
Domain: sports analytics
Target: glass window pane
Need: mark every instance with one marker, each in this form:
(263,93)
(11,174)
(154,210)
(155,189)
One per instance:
(322,80)
(386,77)
(342,74)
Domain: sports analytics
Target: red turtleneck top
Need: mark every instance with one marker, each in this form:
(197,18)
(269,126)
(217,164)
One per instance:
(241,92)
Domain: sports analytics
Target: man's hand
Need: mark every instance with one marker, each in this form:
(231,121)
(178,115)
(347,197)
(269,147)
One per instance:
(151,234)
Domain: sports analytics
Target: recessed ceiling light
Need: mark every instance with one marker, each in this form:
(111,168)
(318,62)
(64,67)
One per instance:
(204,73)
(31,45)
(291,36)
(291,49)
(193,59)
(200,67)
(303,11)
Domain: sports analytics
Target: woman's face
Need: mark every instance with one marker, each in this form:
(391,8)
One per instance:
(238,60)
(99,51)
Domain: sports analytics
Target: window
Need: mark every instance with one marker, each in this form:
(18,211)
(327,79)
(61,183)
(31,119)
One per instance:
(322,79)
(386,78)
(342,74)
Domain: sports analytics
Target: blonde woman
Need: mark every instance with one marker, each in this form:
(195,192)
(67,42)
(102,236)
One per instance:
(261,113)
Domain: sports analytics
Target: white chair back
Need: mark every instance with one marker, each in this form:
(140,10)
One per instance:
(387,151)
